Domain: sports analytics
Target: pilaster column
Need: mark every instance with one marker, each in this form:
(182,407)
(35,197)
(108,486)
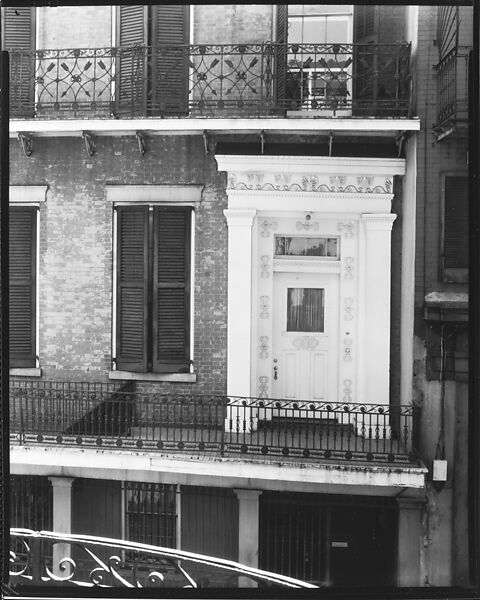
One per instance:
(248,511)
(376,302)
(62,519)
(407,311)
(239,300)
(409,542)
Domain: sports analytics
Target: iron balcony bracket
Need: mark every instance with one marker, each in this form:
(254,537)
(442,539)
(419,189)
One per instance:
(141,139)
(205,141)
(89,140)
(26,140)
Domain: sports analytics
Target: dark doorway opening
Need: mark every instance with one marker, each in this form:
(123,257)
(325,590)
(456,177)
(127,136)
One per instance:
(329,540)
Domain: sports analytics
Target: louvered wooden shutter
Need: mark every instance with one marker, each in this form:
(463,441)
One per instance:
(281,53)
(455,231)
(169,85)
(22,258)
(18,31)
(363,22)
(132,289)
(364,90)
(171,293)
(447,29)
(18,36)
(132,60)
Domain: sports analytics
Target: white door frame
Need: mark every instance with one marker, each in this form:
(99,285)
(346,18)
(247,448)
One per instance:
(353,193)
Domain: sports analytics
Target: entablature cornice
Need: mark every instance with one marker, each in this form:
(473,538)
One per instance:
(311,174)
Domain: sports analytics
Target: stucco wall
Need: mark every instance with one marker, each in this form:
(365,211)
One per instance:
(233,23)
(74,27)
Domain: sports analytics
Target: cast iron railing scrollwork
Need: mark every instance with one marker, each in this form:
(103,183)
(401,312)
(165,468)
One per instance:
(211,80)
(46,558)
(119,416)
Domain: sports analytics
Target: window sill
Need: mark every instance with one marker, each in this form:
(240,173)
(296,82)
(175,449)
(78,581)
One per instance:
(26,372)
(455,275)
(172,377)
(446,306)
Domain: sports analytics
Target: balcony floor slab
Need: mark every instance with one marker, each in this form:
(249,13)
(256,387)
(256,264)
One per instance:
(279,473)
(390,127)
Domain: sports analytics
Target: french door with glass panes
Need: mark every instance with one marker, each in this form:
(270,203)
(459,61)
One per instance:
(305,336)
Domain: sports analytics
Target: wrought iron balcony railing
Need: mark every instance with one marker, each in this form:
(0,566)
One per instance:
(43,558)
(452,90)
(228,80)
(102,415)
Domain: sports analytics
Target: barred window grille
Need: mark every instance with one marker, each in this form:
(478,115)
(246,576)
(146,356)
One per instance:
(151,515)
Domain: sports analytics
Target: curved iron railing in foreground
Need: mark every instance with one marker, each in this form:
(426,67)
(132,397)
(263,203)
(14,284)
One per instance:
(46,558)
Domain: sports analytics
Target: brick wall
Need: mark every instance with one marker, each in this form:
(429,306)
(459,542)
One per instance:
(434,159)
(445,515)
(75,279)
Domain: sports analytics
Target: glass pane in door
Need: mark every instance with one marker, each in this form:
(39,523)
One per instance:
(305,309)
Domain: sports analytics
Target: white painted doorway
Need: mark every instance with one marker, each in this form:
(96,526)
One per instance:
(305,336)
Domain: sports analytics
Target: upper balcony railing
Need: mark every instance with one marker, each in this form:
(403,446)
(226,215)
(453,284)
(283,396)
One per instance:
(108,416)
(452,89)
(241,80)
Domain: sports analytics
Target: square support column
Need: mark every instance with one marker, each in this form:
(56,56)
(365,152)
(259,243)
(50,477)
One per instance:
(377,230)
(248,525)
(62,520)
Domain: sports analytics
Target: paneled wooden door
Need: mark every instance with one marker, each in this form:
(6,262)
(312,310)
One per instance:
(305,336)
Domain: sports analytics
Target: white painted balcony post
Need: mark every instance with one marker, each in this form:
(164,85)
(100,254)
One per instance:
(248,525)
(62,520)
(239,309)
(376,327)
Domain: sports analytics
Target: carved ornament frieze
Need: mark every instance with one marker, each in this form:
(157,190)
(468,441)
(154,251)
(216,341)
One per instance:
(310,182)
(264,307)
(266,227)
(307,224)
(263,346)
(263,386)
(347,229)
(347,390)
(348,303)
(265,266)
(348,268)
(305,343)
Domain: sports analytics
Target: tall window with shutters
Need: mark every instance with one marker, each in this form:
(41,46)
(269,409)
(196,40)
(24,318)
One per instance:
(153,61)
(22,281)
(153,289)
(455,228)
